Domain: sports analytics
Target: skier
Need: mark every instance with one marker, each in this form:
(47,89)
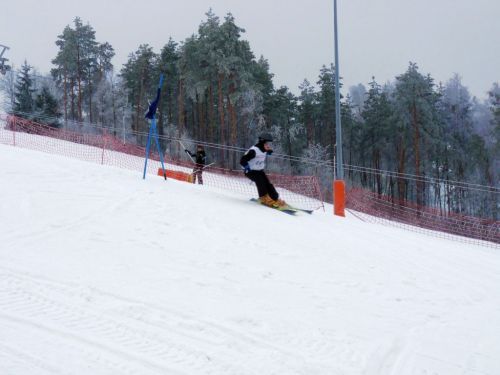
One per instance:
(253,163)
(199,163)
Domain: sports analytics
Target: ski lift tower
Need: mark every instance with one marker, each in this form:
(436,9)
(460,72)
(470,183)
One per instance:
(4,68)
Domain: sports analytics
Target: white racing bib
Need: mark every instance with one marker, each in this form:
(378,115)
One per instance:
(258,163)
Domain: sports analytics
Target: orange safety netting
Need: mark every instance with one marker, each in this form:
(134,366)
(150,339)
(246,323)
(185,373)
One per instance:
(379,208)
(300,191)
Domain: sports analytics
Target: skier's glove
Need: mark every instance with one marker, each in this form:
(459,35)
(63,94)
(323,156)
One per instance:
(246,168)
(186,151)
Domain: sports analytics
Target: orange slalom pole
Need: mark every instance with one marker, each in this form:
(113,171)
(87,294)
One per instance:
(339,198)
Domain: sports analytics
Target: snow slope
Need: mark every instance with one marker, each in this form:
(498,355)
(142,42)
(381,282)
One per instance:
(102,272)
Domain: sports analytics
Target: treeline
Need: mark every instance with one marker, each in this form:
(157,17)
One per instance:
(437,134)
(217,91)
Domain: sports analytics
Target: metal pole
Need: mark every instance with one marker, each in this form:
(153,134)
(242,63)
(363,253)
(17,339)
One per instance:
(338,127)
(148,142)
(123,126)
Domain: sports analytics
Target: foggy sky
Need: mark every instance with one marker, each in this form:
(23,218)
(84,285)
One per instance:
(377,37)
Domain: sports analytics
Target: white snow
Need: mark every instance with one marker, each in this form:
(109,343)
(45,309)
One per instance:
(102,272)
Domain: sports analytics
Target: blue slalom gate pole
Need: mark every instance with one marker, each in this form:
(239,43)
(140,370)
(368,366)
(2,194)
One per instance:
(152,131)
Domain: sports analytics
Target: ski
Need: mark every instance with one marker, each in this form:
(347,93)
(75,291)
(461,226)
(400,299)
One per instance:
(286,209)
(291,208)
(301,210)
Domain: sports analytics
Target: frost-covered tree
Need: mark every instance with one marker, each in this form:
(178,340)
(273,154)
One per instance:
(415,110)
(7,87)
(357,94)
(308,110)
(319,164)
(46,108)
(168,66)
(140,81)
(376,132)
(326,101)
(24,92)
(288,131)
(79,66)
(494,103)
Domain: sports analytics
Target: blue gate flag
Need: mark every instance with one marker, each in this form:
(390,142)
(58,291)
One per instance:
(150,114)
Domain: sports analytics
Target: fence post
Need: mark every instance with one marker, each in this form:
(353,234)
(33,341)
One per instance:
(103,146)
(339,198)
(14,132)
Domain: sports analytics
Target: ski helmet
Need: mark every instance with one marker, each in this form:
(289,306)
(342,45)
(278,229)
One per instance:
(265,137)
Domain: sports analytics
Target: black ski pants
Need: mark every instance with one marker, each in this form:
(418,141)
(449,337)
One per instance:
(264,186)
(198,172)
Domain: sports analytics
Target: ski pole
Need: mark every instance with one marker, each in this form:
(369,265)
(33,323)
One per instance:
(202,169)
(185,149)
(206,166)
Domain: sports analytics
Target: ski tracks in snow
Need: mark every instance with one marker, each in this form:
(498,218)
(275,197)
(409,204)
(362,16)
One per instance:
(90,331)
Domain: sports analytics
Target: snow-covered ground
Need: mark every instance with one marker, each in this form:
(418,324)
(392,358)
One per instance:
(102,272)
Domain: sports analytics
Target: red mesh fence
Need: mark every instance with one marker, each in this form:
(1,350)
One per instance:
(378,208)
(104,148)
(299,191)
(99,146)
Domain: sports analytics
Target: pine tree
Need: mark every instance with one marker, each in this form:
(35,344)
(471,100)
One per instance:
(358,96)
(64,71)
(80,65)
(264,81)
(168,66)
(376,114)
(494,101)
(211,52)
(100,72)
(264,88)
(24,92)
(456,103)
(288,131)
(46,108)
(308,110)
(326,100)
(140,82)
(415,109)
(352,128)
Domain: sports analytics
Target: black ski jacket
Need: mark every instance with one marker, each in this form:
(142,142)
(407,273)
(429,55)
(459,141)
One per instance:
(200,157)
